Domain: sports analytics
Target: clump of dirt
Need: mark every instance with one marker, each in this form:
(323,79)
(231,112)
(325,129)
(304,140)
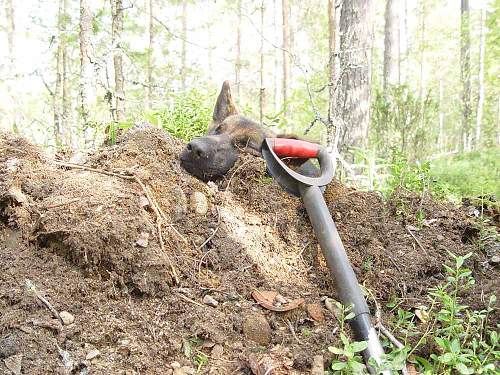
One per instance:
(157,268)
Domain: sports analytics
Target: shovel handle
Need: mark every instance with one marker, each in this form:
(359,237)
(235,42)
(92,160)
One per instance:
(295,148)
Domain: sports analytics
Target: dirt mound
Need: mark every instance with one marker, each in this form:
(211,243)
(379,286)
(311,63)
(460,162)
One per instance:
(158,267)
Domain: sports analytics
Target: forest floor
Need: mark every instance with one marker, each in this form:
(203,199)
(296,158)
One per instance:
(136,302)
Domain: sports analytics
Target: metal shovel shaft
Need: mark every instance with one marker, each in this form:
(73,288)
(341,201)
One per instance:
(340,268)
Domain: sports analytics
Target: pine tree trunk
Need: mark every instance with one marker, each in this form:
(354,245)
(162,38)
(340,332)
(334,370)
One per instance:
(66,104)
(261,69)
(85,93)
(286,51)
(355,67)
(465,75)
(11,28)
(422,52)
(391,44)
(276,57)
(480,101)
(184,46)
(56,98)
(237,67)
(331,129)
(116,32)
(150,61)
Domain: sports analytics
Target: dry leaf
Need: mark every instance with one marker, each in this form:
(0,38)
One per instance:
(266,299)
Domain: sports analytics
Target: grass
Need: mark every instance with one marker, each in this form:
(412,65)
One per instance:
(473,173)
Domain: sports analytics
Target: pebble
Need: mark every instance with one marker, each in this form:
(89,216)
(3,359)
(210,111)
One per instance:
(217,351)
(14,363)
(67,318)
(315,311)
(8,346)
(495,259)
(198,203)
(318,367)
(210,301)
(257,329)
(93,354)
(143,240)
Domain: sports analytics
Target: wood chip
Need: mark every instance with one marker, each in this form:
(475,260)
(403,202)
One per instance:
(315,312)
(266,299)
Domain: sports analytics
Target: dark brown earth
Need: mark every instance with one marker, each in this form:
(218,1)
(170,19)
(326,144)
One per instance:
(89,243)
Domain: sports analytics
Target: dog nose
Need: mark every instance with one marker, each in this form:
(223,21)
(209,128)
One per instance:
(198,148)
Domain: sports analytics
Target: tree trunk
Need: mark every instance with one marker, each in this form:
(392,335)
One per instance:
(391,44)
(480,101)
(184,45)
(150,61)
(355,68)
(85,93)
(332,126)
(465,75)
(11,28)
(286,51)
(261,69)
(116,33)
(276,57)
(237,66)
(422,51)
(56,98)
(441,142)
(403,43)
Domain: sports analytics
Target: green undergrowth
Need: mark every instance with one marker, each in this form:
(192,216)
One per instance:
(459,340)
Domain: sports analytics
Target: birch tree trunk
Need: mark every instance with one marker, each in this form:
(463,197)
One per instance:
(237,65)
(480,101)
(261,69)
(441,142)
(355,68)
(66,100)
(85,93)
(150,61)
(184,44)
(465,75)
(391,44)
(286,50)
(11,28)
(116,33)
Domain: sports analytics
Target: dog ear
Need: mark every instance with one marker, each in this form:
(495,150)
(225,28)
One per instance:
(224,106)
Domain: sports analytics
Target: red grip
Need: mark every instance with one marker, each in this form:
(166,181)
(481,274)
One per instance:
(294,148)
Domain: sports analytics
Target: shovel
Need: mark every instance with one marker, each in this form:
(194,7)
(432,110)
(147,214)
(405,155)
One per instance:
(310,189)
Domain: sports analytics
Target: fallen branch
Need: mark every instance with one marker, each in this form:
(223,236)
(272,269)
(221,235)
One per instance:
(389,335)
(31,288)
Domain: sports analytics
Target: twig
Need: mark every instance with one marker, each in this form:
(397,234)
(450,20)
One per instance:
(31,287)
(416,240)
(78,166)
(63,203)
(389,335)
(293,331)
(232,175)
(190,300)
(207,240)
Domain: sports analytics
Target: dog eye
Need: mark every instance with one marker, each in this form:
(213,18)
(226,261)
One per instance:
(218,129)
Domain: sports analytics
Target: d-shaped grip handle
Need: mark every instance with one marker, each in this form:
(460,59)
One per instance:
(295,148)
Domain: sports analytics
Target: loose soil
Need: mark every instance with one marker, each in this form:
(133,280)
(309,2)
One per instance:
(89,243)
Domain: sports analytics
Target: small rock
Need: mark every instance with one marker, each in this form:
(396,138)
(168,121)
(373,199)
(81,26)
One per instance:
(217,351)
(16,194)
(179,203)
(439,237)
(8,346)
(213,186)
(210,301)
(93,354)
(318,366)
(257,329)
(13,363)
(198,203)
(315,312)
(495,259)
(67,318)
(280,299)
(143,201)
(143,240)
(175,365)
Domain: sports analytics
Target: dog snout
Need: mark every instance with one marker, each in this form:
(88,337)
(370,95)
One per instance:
(198,148)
